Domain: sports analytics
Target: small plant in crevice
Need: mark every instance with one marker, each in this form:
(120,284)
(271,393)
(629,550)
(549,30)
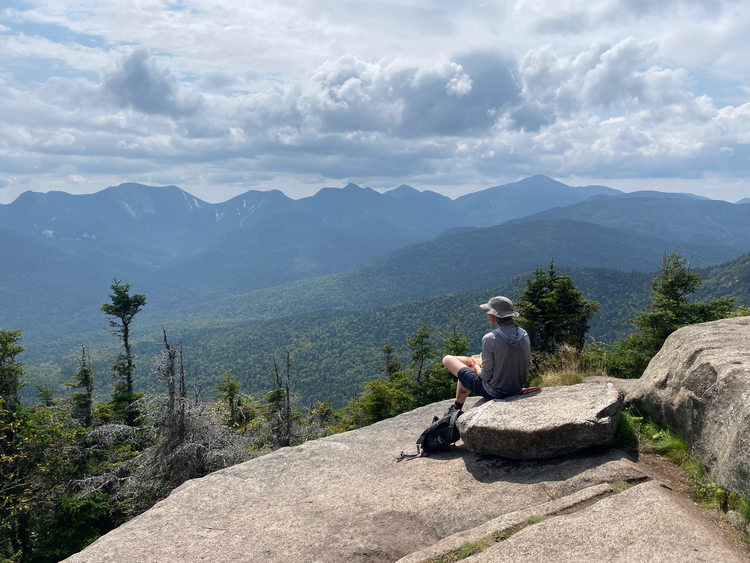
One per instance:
(649,437)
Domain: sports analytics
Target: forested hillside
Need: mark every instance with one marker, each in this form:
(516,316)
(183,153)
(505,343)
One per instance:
(463,261)
(335,352)
(687,220)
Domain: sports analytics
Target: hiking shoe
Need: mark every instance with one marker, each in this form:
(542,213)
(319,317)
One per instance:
(451,410)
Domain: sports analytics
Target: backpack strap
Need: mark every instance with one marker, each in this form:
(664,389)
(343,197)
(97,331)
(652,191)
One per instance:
(404,456)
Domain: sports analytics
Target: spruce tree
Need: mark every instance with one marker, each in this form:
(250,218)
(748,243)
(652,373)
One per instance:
(84,380)
(122,309)
(669,310)
(553,311)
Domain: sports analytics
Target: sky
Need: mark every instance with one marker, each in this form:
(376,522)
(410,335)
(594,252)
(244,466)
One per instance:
(228,96)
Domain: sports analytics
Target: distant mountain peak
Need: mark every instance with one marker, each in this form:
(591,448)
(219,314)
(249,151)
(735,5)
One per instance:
(744,200)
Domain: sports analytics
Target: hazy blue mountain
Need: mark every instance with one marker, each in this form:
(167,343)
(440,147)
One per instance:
(685,221)
(652,193)
(744,200)
(519,199)
(175,247)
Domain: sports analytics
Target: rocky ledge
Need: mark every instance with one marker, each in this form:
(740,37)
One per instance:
(345,499)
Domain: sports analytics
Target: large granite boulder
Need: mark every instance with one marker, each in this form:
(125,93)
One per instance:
(699,384)
(552,422)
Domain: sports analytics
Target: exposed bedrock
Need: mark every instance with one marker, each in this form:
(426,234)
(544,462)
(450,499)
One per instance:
(699,384)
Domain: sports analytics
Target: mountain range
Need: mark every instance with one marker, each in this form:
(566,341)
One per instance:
(60,252)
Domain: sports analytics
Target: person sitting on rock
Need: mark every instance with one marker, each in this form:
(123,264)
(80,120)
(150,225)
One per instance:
(506,357)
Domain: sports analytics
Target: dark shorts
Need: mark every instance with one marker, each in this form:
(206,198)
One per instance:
(469,379)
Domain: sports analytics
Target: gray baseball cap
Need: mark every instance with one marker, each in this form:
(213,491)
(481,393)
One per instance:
(501,307)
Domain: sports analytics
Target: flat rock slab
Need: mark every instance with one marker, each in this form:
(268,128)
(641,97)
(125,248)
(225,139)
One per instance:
(344,499)
(644,523)
(552,422)
(624,385)
(699,385)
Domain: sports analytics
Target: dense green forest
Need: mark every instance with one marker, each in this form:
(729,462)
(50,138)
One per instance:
(336,352)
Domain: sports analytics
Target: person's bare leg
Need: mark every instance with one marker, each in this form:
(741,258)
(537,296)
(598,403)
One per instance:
(454,364)
(462,393)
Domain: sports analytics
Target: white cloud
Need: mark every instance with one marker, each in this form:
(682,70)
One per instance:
(255,94)
(78,179)
(459,85)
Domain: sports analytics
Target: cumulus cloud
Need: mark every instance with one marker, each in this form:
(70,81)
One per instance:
(271,99)
(141,83)
(459,85)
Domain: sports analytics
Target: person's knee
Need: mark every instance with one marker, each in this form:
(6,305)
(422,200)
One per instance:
(445,360)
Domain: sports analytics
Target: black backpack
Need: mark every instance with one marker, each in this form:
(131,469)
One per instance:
(441,433)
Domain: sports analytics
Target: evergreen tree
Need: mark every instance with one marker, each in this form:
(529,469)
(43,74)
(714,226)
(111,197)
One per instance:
(83,379)
(669,310)
(10,370)
(392,364)
(122,309)
(229,391)
(423,351)
(553,311)
(439,384)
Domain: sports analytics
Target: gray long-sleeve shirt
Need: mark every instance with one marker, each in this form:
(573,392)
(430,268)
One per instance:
(506,356)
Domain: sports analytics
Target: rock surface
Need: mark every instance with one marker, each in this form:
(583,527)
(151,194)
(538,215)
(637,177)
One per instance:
(555,421)
(645,523)
(699,384)
(624,385)
(345,499)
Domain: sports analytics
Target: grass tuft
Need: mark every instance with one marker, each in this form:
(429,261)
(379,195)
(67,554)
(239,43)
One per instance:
(626,435)
(620,486)
(564,367)
(472,547)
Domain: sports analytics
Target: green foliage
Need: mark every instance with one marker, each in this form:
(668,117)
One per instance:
(83,379)
(669,310)
(229,389)
(46,395)
(405,390)
(626,435)
(123,306)
(383,399)
(553,311)
(535,519)
(10,369)
(636,431)
(423,351)
(472,547)
(39,448)
(122,309)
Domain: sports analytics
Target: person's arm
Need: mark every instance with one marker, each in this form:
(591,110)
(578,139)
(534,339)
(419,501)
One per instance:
(488,360)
